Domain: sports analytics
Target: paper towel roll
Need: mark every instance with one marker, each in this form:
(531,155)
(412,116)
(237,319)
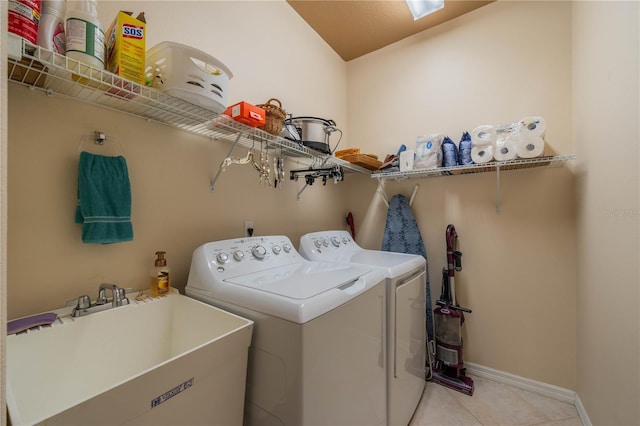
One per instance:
(529,146)
(535,126)
(428,151)
(483,135)
(482,140)
(505,146)
(482,154)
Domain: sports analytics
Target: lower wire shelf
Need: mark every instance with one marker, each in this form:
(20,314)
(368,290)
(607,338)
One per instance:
(516,164)
(496,166)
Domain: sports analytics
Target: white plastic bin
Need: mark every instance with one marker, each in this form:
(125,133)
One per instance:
(188,74)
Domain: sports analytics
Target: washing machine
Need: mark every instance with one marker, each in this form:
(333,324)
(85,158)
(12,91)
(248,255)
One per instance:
(318,351)
(406,313)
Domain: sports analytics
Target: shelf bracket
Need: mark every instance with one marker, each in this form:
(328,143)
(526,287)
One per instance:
(498,195)
(215,178)
(301,191)
(382,192)
(413,194)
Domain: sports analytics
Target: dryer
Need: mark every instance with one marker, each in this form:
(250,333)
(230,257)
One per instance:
(406,313)
(318,354)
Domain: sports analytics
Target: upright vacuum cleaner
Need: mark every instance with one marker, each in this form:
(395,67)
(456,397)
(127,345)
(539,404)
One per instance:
(448,368)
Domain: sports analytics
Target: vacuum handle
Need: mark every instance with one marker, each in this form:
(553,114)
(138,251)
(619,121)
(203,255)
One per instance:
(454,307)
(457,260)
(460,308)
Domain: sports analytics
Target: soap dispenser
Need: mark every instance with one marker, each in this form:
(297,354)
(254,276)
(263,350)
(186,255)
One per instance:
(160,283)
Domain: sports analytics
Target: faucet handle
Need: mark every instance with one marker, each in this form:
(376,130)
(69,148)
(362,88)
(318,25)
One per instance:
(84,302)
(122,293)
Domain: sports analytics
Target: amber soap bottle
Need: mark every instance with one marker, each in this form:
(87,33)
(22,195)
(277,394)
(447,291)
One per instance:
(160,282)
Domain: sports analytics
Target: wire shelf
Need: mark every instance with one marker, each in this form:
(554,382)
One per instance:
(42,69)
(517,164)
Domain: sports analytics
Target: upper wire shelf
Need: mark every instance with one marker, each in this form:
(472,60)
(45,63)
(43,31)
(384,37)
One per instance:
(520,163)
(53,73)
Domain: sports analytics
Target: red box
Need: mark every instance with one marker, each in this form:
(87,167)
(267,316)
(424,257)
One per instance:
(246,113)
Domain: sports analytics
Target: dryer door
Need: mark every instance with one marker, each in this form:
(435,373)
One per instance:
(408,349)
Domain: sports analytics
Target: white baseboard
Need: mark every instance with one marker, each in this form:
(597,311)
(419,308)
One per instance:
(582,412)
(545,389)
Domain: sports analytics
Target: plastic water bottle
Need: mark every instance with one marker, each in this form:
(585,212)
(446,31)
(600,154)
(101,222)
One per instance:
(85,37)
(449,153)
(465,150)
(51,28)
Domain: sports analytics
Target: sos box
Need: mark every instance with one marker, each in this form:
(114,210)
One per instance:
(126,49)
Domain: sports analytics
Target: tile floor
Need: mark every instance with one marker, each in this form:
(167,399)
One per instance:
(492,403)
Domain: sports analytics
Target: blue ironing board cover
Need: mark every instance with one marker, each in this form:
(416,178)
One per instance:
(401,235)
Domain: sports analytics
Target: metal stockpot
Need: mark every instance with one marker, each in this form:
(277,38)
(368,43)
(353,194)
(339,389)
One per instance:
(312,132)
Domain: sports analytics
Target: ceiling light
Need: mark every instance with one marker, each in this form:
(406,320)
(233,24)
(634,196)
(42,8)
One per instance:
(422,8)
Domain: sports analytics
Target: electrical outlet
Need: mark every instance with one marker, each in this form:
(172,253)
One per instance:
(248,228)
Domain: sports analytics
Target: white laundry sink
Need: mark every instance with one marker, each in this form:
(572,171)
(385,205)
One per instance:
(170,360)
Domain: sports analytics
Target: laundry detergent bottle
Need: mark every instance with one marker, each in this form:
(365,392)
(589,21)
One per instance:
(51,28)
(84,34)
(160,283)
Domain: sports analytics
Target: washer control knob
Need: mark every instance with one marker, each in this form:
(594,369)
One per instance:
(238,255)
(345,240)
(325,242)
(276,249)
(335,241)
(222,257)
(286,248)
(317,243)
(259,252)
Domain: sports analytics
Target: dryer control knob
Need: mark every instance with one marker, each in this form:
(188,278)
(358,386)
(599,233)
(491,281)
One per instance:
(238,255)
(276,249)
(317,243)
(222,257)
(335,241)
(325,242)
(259,252)
(286,248)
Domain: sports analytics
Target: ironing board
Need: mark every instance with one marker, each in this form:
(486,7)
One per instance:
(401,235)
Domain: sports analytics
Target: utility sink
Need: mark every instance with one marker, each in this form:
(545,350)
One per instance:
(160,361)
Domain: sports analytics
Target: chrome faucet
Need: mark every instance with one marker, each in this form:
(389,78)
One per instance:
(83,305)
(118,297)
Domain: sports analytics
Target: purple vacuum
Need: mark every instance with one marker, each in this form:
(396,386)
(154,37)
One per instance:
(448,368)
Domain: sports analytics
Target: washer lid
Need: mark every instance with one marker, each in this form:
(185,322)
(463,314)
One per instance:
(301,280)
(393,264)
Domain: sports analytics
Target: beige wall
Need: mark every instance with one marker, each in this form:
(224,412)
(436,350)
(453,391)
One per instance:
(497,64)
(606,122)
(170,170)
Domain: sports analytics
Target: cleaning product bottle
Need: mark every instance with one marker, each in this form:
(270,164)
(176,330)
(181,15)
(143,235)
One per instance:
(51,27)
(160,283)
(85,37)
(24,16)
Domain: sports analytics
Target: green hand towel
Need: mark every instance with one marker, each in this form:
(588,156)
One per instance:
(104,199)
